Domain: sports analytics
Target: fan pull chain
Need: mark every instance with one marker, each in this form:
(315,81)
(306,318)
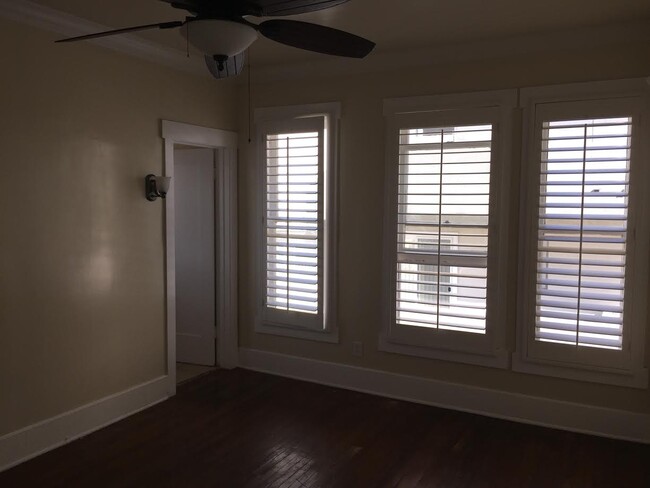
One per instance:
(187,39)
(250,107)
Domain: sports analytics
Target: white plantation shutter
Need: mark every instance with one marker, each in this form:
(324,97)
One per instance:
(583,232)
(293,223)
(442,227)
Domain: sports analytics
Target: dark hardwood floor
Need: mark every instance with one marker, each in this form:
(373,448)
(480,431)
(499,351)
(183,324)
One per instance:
(243,429)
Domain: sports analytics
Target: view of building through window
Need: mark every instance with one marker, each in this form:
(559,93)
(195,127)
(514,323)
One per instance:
(428,276)
(442,234)
(582,231)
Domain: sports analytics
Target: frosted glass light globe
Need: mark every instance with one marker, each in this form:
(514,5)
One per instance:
(219,37)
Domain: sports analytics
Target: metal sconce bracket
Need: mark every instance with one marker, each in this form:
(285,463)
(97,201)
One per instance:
(156,186)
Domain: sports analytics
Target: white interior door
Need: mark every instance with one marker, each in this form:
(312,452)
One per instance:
(194,206)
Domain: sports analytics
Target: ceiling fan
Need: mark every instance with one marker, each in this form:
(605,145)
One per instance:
(220,29)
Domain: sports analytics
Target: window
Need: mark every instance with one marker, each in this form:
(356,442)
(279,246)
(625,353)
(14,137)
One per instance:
(582,232)
(294,245)
(297,231)
(584,312)
(443,194)
(445,187)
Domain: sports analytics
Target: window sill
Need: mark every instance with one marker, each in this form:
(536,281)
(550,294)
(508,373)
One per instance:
(637,378)
(500,359)
(329,336)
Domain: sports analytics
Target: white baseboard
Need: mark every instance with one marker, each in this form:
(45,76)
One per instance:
(586,419)
(17,447)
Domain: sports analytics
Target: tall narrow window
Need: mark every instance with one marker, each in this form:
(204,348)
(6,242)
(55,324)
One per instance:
(293,221)
(297,207)
(584,274)
(585,167)
(443,197)
(446,247)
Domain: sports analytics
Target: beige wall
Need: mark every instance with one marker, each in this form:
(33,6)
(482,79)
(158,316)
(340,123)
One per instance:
(361,208)
(81,250)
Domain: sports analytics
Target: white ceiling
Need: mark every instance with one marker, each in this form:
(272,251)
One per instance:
(392,24)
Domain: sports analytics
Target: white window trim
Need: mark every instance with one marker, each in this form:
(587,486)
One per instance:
(634,373)
(266,117)
(485,350)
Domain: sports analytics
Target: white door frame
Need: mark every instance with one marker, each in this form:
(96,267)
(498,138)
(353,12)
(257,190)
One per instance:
(225,144)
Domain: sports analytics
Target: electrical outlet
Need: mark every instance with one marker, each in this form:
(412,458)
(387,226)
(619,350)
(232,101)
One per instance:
(357,349)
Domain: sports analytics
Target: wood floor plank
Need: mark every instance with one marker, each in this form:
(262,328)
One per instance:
(243,429)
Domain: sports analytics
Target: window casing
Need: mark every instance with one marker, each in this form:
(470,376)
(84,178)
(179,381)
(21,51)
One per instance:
(446,176)
(584,266)
(297,233)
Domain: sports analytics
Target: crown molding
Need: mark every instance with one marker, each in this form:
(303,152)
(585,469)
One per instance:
(67,25)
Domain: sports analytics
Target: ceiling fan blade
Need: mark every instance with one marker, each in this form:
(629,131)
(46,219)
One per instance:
(270,8)
(163,25)
(258,8)
(317,38)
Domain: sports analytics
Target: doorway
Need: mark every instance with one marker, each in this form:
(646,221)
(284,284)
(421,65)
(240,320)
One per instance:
(201,250)
(194,207)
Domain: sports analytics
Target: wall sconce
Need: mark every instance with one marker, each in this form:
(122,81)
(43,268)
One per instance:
(156,186)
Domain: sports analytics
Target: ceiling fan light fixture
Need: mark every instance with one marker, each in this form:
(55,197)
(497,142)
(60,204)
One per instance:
(222,33)
(223,37)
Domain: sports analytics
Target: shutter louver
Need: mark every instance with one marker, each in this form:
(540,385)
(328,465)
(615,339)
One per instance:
(582,232)
(442,227)
(293,221)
